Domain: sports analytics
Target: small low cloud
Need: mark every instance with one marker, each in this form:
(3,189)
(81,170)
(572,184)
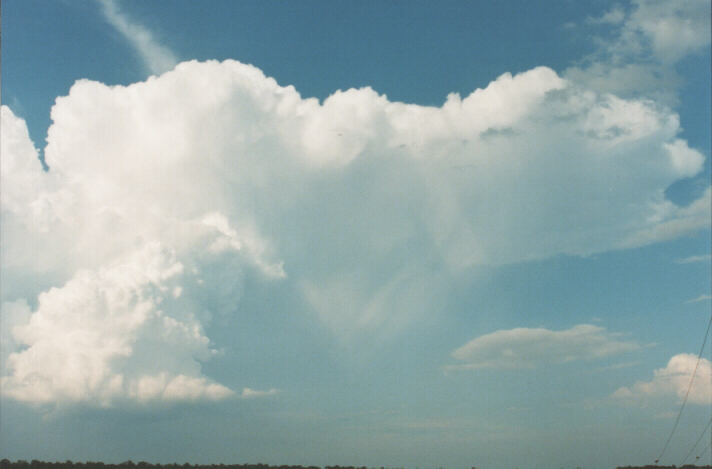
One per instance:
(694,259)
(673,380)
(249,393)
(530,348)
(700,298)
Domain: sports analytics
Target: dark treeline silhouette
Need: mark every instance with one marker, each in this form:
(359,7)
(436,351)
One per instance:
(686,466)
(35,464)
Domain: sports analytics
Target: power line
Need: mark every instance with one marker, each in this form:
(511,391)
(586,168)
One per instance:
(697,442)
(689,386)
(704,451)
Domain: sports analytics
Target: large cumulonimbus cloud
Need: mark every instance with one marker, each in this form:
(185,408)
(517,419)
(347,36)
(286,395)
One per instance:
(165,189)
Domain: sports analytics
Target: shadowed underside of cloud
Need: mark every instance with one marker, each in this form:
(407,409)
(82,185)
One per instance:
(161,195)
(530,348)
(673,380)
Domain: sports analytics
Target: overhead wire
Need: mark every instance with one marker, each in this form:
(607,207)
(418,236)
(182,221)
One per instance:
(692,450)
(687,394)
(704,451)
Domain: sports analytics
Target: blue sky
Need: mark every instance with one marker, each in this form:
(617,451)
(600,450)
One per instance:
(401,234)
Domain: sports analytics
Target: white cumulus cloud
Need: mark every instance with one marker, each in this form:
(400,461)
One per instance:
(529,348)
(111,334)
(674,380)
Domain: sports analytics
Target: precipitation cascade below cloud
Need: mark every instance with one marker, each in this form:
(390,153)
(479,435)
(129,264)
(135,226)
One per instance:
(163,194)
